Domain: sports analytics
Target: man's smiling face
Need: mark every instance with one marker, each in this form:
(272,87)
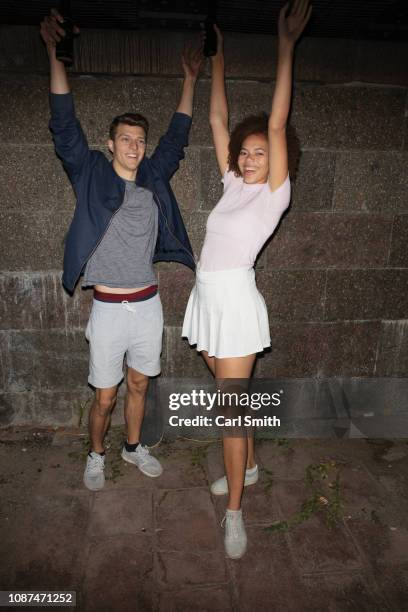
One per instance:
(128,149)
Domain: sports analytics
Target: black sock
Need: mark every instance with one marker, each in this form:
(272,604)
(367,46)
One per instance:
(101,454)
(131,447)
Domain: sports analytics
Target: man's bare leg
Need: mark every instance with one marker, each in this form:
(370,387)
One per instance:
(135,402)
(133,452)
(99,416)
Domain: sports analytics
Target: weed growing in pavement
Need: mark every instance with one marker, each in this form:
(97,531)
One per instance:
(82,406)
(268,478)
(324,497)
(113,444)
(278,441)
(198,455)
(375,517)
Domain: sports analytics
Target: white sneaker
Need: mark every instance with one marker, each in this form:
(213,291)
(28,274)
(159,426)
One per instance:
(141,457)
(235,539)
(220,486)
(94,476)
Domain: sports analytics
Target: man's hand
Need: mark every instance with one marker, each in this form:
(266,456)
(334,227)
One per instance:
(292,23)
(51,32)
(192,59)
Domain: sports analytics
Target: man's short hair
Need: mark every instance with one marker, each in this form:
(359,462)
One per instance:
(128,119)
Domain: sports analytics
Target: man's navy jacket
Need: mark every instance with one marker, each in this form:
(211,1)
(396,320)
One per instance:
(100,191)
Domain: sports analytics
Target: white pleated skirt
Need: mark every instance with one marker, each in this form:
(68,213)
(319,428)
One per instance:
(226,315)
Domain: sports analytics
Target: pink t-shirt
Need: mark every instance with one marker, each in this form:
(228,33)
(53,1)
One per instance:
(241,222)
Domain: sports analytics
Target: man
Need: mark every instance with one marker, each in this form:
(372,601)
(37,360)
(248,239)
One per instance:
(125,219)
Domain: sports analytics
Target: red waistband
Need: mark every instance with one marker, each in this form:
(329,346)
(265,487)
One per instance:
(136,296)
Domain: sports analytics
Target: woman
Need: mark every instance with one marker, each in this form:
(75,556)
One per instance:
(226,316)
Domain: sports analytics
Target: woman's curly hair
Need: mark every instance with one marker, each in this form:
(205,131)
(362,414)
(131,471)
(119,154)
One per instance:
(258,124)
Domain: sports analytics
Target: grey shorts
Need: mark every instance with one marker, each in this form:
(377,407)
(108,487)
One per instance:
(116,330)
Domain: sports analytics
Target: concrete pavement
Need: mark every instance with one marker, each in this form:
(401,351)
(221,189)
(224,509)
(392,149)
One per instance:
(146,544)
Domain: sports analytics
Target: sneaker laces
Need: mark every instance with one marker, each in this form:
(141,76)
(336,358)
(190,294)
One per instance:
(231,522)
(95,464)
(143,452)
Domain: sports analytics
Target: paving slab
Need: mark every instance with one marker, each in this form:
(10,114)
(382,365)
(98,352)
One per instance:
(353,592)
(119,574)
(51,549)
(393,583)
(382,543)
(180,569)
(266,575)
(332,552)
(184,468)
(287,461)
(186,520)
(127,512)
(207,599)
(360,492)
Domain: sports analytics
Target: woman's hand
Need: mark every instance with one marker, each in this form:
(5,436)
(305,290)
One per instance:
(192,59)
(220,44)
(292,23)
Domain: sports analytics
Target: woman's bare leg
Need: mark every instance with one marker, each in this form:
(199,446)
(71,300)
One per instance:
(251,452)
(210,361)
(235,448)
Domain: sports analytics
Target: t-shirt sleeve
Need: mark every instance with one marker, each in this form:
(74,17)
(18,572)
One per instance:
(275,203)
(228,178)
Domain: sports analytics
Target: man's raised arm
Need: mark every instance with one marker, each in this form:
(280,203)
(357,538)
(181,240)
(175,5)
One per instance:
(52,33)
(170,149)
(70,143)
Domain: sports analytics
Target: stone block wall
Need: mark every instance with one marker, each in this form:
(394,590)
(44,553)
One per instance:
(335,274)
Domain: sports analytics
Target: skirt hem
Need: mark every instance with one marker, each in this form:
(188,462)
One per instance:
(221,356)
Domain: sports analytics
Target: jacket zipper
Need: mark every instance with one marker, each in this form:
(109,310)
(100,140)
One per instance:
(170,232)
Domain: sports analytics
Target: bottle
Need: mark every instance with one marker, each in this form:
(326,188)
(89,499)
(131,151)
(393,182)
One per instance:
(65,47)
(210,45)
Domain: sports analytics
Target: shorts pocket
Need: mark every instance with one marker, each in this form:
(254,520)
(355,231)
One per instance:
(152,310)
(88,330)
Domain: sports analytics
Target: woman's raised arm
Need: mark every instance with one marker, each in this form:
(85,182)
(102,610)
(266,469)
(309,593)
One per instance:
(291,26)
(219,106)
